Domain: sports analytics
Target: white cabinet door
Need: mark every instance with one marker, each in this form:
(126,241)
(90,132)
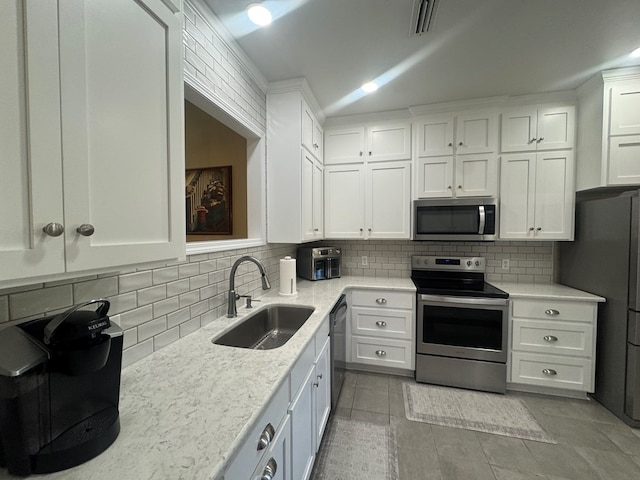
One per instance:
(517,184)
(389,142)
(388,200)
(344,201)
(307,196)
(344,145)
(318,200)
(322,393)
(624,160)
(121,94)
(308,127)
(435,136)
(435,177)
(625,108)
(475,133)
(318,142)
(31,175)
(554,193)
(519,130)
(476,175)
(301,412)
(555,128)
(276,464)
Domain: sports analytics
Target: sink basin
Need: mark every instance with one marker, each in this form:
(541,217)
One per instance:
(268,328)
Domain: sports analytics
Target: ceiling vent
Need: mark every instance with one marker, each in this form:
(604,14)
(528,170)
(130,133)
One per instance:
(423,14)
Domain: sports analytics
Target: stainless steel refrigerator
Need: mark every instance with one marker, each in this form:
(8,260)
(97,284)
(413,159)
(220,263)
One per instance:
(603,260)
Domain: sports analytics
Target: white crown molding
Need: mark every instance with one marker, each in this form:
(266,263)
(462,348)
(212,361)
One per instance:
(389,115)
(298,85)
(476,103)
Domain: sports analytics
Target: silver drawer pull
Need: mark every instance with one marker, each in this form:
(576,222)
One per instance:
(265,438)
(549,371)
(550,338)
(552,312)
(270,470)
(381,353)
(381,301)
(380,323)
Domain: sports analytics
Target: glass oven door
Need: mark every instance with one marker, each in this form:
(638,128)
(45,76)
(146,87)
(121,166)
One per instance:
(463,327)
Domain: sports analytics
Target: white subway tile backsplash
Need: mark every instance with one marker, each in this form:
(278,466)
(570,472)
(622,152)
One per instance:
(166,306)
(135,281)
(137,352)
(198,281)
(133,318)
(165,275)
(122,303)
(189,298)
(130,337)
(100,288)
(188,270)
(152,294)
(177,287)
(189,327)
(154,327)
(43,300)
(199,308)
(165,338)
(176,318)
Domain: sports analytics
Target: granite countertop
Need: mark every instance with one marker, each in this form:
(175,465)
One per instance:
(539,290)
(186,409)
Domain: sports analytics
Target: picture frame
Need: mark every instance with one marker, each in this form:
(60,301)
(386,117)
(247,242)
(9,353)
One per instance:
(208,201)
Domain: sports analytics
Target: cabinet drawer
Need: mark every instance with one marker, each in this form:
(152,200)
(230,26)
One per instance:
(321,336)
(387,353)
(248,457)
(377,322)
(382,299)
(558,338)
(549,309)
(552,371)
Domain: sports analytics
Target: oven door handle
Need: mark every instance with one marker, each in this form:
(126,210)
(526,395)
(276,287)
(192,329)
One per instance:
(464,300)
(482,219)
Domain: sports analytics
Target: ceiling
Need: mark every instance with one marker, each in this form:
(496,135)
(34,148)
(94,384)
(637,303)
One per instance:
(475,49)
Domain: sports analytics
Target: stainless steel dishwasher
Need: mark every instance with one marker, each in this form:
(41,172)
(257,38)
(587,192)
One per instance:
(338,347)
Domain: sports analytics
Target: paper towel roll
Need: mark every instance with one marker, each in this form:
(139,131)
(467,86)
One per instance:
(288,276)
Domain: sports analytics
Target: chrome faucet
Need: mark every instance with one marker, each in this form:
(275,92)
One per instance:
(233,296)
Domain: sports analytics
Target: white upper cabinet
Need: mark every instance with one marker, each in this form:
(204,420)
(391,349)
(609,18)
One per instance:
(368,202)
(538,128)
(379,142)
(295,190)
(609,130)
(103,124)
(536,196)
(456,155)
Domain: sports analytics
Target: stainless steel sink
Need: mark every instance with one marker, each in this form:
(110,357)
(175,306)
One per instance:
(268,328)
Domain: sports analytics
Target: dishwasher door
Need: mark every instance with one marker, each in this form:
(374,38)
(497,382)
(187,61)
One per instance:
(338,347)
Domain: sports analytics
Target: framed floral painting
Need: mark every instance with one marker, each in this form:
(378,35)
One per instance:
(208,201)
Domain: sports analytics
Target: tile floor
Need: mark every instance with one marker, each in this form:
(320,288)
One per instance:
(592,443)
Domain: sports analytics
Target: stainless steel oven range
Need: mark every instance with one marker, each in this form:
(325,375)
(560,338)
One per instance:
(462,324)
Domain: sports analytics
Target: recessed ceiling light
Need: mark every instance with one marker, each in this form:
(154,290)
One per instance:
(635,53)
(369,87)
(259,14)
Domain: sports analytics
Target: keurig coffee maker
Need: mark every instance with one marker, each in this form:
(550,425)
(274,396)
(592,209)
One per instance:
(59,390)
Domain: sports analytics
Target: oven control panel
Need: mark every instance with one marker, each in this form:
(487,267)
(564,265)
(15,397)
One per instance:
(464,264)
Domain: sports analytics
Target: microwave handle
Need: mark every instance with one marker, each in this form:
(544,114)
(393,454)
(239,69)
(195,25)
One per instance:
(482,219)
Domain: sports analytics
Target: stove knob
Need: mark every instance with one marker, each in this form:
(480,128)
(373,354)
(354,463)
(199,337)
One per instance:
(477,263)
(426,261)
(468,263)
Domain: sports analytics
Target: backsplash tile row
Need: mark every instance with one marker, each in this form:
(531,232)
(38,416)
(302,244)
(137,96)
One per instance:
(527,263)
(155,305)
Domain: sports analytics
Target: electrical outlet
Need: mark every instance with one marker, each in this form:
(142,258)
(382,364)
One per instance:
(505,264)
(365,261)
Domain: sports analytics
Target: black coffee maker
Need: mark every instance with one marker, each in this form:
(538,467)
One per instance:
(59,389)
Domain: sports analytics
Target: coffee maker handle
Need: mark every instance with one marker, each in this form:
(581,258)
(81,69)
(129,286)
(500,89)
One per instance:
(51,327)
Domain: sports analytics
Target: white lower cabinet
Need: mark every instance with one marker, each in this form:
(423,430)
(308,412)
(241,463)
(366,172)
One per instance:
(553,343)
(283,443)
(382,329)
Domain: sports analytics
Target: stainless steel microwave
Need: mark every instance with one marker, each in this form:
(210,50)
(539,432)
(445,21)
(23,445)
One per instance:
(457,219)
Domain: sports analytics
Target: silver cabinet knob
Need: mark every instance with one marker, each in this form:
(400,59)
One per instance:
(381,301)
(539,228)
(86,230)
(550,338)
(449,187)
(380,323)
(369,153)
(450,144)
(270,469)
(460,144)
(549,371)
(53,229)
(551,312)
(319,376)
(360,153)
(381,353)
(531,229)
(540,139)
(459,186)
(532,140)
(266,436)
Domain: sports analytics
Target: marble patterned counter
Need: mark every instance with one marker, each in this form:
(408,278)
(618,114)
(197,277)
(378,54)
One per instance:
(550,291)
(186,409)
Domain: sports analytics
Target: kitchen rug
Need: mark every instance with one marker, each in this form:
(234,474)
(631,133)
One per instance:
(354,450)
(471,410)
